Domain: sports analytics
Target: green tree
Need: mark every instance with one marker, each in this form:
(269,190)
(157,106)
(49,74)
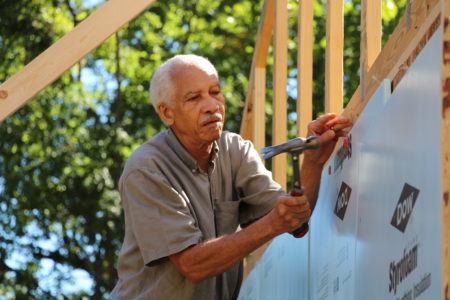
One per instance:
(62,154)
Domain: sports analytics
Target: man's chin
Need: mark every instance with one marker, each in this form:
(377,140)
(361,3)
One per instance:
(214,134)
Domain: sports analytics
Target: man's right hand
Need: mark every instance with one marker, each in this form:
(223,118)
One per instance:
(289,213)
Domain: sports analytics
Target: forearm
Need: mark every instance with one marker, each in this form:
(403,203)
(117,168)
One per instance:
(310,177)
(218,255)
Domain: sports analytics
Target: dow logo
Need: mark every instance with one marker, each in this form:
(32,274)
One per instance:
(404,207)
(342,201)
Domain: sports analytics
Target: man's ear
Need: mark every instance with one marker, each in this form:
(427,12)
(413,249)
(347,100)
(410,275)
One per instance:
(166,114)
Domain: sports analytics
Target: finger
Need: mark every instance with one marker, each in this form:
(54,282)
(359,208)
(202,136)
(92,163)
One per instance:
(322,120)
(327,136)
(338,123)
(338,126)
(300,218)
(341,127)
(297,216)
(300,211)
(294,201)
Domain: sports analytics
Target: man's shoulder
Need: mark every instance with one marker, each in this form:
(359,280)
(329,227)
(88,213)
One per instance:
(233,141)
(148,153)
(228,138)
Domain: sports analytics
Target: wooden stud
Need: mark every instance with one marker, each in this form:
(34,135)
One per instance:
(259,60)
(66,52)
(259,104)
(279,122)
(253,120)
(246,123)
(445,150)
(334,57)
(370,36)
(305,66)
(370,31)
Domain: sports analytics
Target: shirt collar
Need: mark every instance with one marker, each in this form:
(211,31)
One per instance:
(183,154)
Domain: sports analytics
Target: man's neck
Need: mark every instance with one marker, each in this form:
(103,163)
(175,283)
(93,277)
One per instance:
(201,152)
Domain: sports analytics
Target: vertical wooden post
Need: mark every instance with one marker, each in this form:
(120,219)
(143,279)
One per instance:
(445,149)
(304,65)
(253,122)
(259,103)
(334,54)
(259,60)
(370,37)
(279,126)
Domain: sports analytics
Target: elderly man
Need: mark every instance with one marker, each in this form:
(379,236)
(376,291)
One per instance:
(186,191)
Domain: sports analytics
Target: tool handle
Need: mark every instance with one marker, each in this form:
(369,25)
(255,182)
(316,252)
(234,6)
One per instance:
(304,228)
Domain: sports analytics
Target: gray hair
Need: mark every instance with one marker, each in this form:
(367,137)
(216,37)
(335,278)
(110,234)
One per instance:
(162,88)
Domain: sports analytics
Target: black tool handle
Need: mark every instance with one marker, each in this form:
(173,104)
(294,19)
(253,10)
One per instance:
(304,228)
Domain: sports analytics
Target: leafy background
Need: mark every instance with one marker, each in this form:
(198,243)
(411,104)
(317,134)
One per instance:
(61,155)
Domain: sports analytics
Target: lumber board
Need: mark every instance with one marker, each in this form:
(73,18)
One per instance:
(334,69)
(445,150)
(304,66)
(370,31)
(253,110)
(370,35)
(263,39)
(279,121)
(71,48)
(259,104)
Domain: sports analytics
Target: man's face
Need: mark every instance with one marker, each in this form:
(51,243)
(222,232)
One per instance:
(198,109)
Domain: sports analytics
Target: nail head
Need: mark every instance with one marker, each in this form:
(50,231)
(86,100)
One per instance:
(3,94)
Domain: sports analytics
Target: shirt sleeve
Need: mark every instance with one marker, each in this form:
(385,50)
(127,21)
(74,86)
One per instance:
(159,216)
(258,191)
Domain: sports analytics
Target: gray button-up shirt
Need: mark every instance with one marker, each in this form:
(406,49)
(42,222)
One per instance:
(171,204)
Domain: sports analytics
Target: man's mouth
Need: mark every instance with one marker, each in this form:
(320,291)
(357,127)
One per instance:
(212,121)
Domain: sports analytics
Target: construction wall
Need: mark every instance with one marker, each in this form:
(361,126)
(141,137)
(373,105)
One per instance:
(376,230)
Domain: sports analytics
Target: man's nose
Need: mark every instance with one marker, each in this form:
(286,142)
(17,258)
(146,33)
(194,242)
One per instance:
(211,105)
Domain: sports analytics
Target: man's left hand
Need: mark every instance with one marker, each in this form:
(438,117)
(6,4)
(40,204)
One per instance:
(328,128)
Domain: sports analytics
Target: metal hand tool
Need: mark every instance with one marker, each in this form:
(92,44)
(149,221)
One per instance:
(295,147)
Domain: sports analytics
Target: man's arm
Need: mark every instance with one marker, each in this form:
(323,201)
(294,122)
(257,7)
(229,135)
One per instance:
(328,128)
(218,255)
(310,178)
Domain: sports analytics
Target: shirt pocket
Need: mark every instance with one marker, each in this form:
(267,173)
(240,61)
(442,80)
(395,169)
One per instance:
(226,216)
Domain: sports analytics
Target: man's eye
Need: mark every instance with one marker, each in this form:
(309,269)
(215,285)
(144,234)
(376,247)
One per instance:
(215,92)
(193,98)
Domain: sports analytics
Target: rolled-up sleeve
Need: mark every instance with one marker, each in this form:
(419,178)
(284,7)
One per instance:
(160,217)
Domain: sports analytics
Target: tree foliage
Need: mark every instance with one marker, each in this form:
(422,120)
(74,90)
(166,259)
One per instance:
(62,154)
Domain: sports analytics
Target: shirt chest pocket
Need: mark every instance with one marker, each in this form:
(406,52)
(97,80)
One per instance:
(226,214)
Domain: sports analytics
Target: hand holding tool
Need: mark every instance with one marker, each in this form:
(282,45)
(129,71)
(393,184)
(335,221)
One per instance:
(295,147)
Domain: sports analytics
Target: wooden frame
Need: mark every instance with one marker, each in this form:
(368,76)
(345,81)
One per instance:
(395,55)
(71,48)
(370,36)
(258,77)
(305,65)
(263,38)
(334,68)
(279,104)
